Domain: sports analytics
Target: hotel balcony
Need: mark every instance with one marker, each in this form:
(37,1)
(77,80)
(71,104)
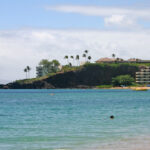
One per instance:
(142,73)
(142,76)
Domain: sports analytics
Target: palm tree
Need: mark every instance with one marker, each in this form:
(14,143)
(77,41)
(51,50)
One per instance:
(84,55)
(25,70)
(89,58)
(86,51)
(66,57)
(113,55)
(72,57)
(70,64)
(28,70)
(77,58)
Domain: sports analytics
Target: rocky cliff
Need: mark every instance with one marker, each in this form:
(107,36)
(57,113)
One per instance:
(88,76)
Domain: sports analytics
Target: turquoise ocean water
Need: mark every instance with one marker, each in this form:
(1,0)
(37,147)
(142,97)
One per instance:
(74,119)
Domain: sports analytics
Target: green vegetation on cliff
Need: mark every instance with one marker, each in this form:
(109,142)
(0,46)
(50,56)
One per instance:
(123,80)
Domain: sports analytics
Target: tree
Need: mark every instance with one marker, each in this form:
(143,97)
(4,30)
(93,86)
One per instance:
(25,70)
(84,55)
(66,57)
(28,70)
(55,65)
(89,58)
(70,64)
(46,67)
(72,57)
(86,51)
(113,55)
(77,58)
(55,62)
(125,80)
(44,62)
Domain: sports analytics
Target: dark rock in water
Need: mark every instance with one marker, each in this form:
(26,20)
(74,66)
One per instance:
(35,85)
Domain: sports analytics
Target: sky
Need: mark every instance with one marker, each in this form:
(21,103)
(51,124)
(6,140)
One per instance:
(50,29)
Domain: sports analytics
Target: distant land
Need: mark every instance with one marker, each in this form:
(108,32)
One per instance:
(103,73)
(90,75)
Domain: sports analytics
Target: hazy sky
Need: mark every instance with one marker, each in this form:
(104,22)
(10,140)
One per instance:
(31,30)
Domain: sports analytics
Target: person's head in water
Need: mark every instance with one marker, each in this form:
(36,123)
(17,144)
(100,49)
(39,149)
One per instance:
(112,117)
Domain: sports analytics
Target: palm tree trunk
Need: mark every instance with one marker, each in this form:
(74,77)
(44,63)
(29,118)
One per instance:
(73,62)
(28,74)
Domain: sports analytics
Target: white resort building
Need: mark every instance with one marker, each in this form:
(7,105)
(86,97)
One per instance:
(143,76)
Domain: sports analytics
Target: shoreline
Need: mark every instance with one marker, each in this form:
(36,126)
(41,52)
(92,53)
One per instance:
(115,88)
(83,87)
(126,88)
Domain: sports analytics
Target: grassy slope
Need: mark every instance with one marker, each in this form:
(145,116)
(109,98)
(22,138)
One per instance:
(31,80)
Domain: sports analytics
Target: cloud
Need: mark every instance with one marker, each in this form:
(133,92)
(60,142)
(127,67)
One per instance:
(112,15)
(100,11)
(19,48)
(120,21)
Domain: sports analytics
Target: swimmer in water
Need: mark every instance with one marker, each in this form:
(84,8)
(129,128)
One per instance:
(112,117)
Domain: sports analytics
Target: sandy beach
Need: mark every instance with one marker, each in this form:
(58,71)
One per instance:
(132,88)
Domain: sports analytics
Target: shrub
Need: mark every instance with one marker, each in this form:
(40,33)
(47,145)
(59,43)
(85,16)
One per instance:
(104,86)
(122,80)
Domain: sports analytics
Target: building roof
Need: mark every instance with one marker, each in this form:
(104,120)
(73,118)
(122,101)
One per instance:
(133,59)
(109,60)
(106,59)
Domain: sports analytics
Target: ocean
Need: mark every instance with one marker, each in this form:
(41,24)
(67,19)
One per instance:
(68,119)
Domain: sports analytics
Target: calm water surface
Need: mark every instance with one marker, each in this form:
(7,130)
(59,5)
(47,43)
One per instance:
(74,119)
